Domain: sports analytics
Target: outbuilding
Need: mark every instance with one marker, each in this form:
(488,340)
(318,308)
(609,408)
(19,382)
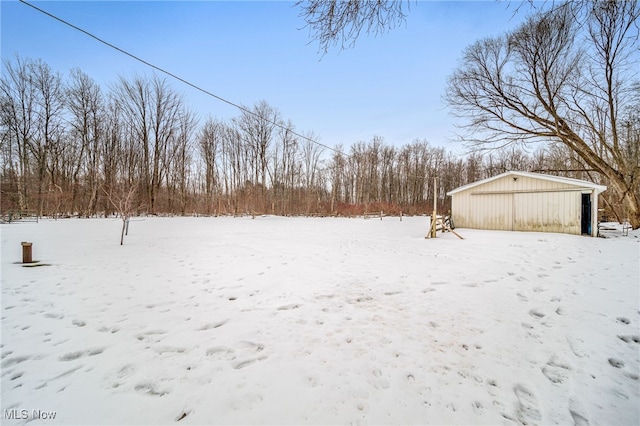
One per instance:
(525,201)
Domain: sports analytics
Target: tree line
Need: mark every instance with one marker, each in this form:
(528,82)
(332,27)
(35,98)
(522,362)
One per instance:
(72,148)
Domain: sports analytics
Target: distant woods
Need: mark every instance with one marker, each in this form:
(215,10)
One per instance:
(72,148)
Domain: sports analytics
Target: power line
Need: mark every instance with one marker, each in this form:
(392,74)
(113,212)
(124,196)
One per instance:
(188,83)
(180,79)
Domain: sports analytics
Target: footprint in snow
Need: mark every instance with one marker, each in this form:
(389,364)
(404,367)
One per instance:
(289,307)
(222,353)
(361,299)
(378,381)
(477,407)
(577,414)
(556,372)
(615,362)
(147,334)
(13,360)
(70,356)
(630,339)
(17,375)
(183,415)
(577,346)
(527,406)
(536,313)
(249,346)
(150,389)
(213,325)
(247,362)
(632,376)
(168,349)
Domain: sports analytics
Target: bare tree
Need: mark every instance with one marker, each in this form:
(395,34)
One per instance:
(311,154)
(123,200)
(112,149)
(388,178)
(210,147)
(234,166)
(180,152)
(336,169)
(49,102)
(563,76)
(19,118)
(257,127)
(333,22)
(284,170)
(84,100)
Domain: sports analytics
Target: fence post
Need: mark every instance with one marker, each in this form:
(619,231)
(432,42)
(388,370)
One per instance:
(26,252)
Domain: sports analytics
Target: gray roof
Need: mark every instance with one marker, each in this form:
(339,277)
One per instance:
(568,181)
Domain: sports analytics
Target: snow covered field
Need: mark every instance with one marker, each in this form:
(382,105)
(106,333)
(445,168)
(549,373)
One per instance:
(317,321)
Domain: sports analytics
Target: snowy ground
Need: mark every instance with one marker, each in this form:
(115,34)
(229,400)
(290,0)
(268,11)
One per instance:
(317,321)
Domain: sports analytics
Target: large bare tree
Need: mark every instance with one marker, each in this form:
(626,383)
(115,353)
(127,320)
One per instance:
(564,76)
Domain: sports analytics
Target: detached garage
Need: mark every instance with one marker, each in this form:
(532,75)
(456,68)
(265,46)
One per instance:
(523,201)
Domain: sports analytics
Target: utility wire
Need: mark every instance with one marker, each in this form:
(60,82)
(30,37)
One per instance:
(180,79)
(188,83)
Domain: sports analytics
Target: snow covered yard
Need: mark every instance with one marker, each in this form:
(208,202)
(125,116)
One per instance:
(317,321)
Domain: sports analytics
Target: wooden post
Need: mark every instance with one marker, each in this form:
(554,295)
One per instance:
(380,214)
(26,252)
(435,207)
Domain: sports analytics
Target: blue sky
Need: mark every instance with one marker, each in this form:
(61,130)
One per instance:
(247,51)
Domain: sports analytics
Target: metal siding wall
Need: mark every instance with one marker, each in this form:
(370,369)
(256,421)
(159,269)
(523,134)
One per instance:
(548,212)
(461,210)
(497,211)
(489,211)
(457,210)
(572,215)
(522,183)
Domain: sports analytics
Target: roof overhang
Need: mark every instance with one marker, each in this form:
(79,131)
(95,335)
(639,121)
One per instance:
(575,182)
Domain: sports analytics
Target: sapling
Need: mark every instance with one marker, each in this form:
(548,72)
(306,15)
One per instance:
(123,203)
